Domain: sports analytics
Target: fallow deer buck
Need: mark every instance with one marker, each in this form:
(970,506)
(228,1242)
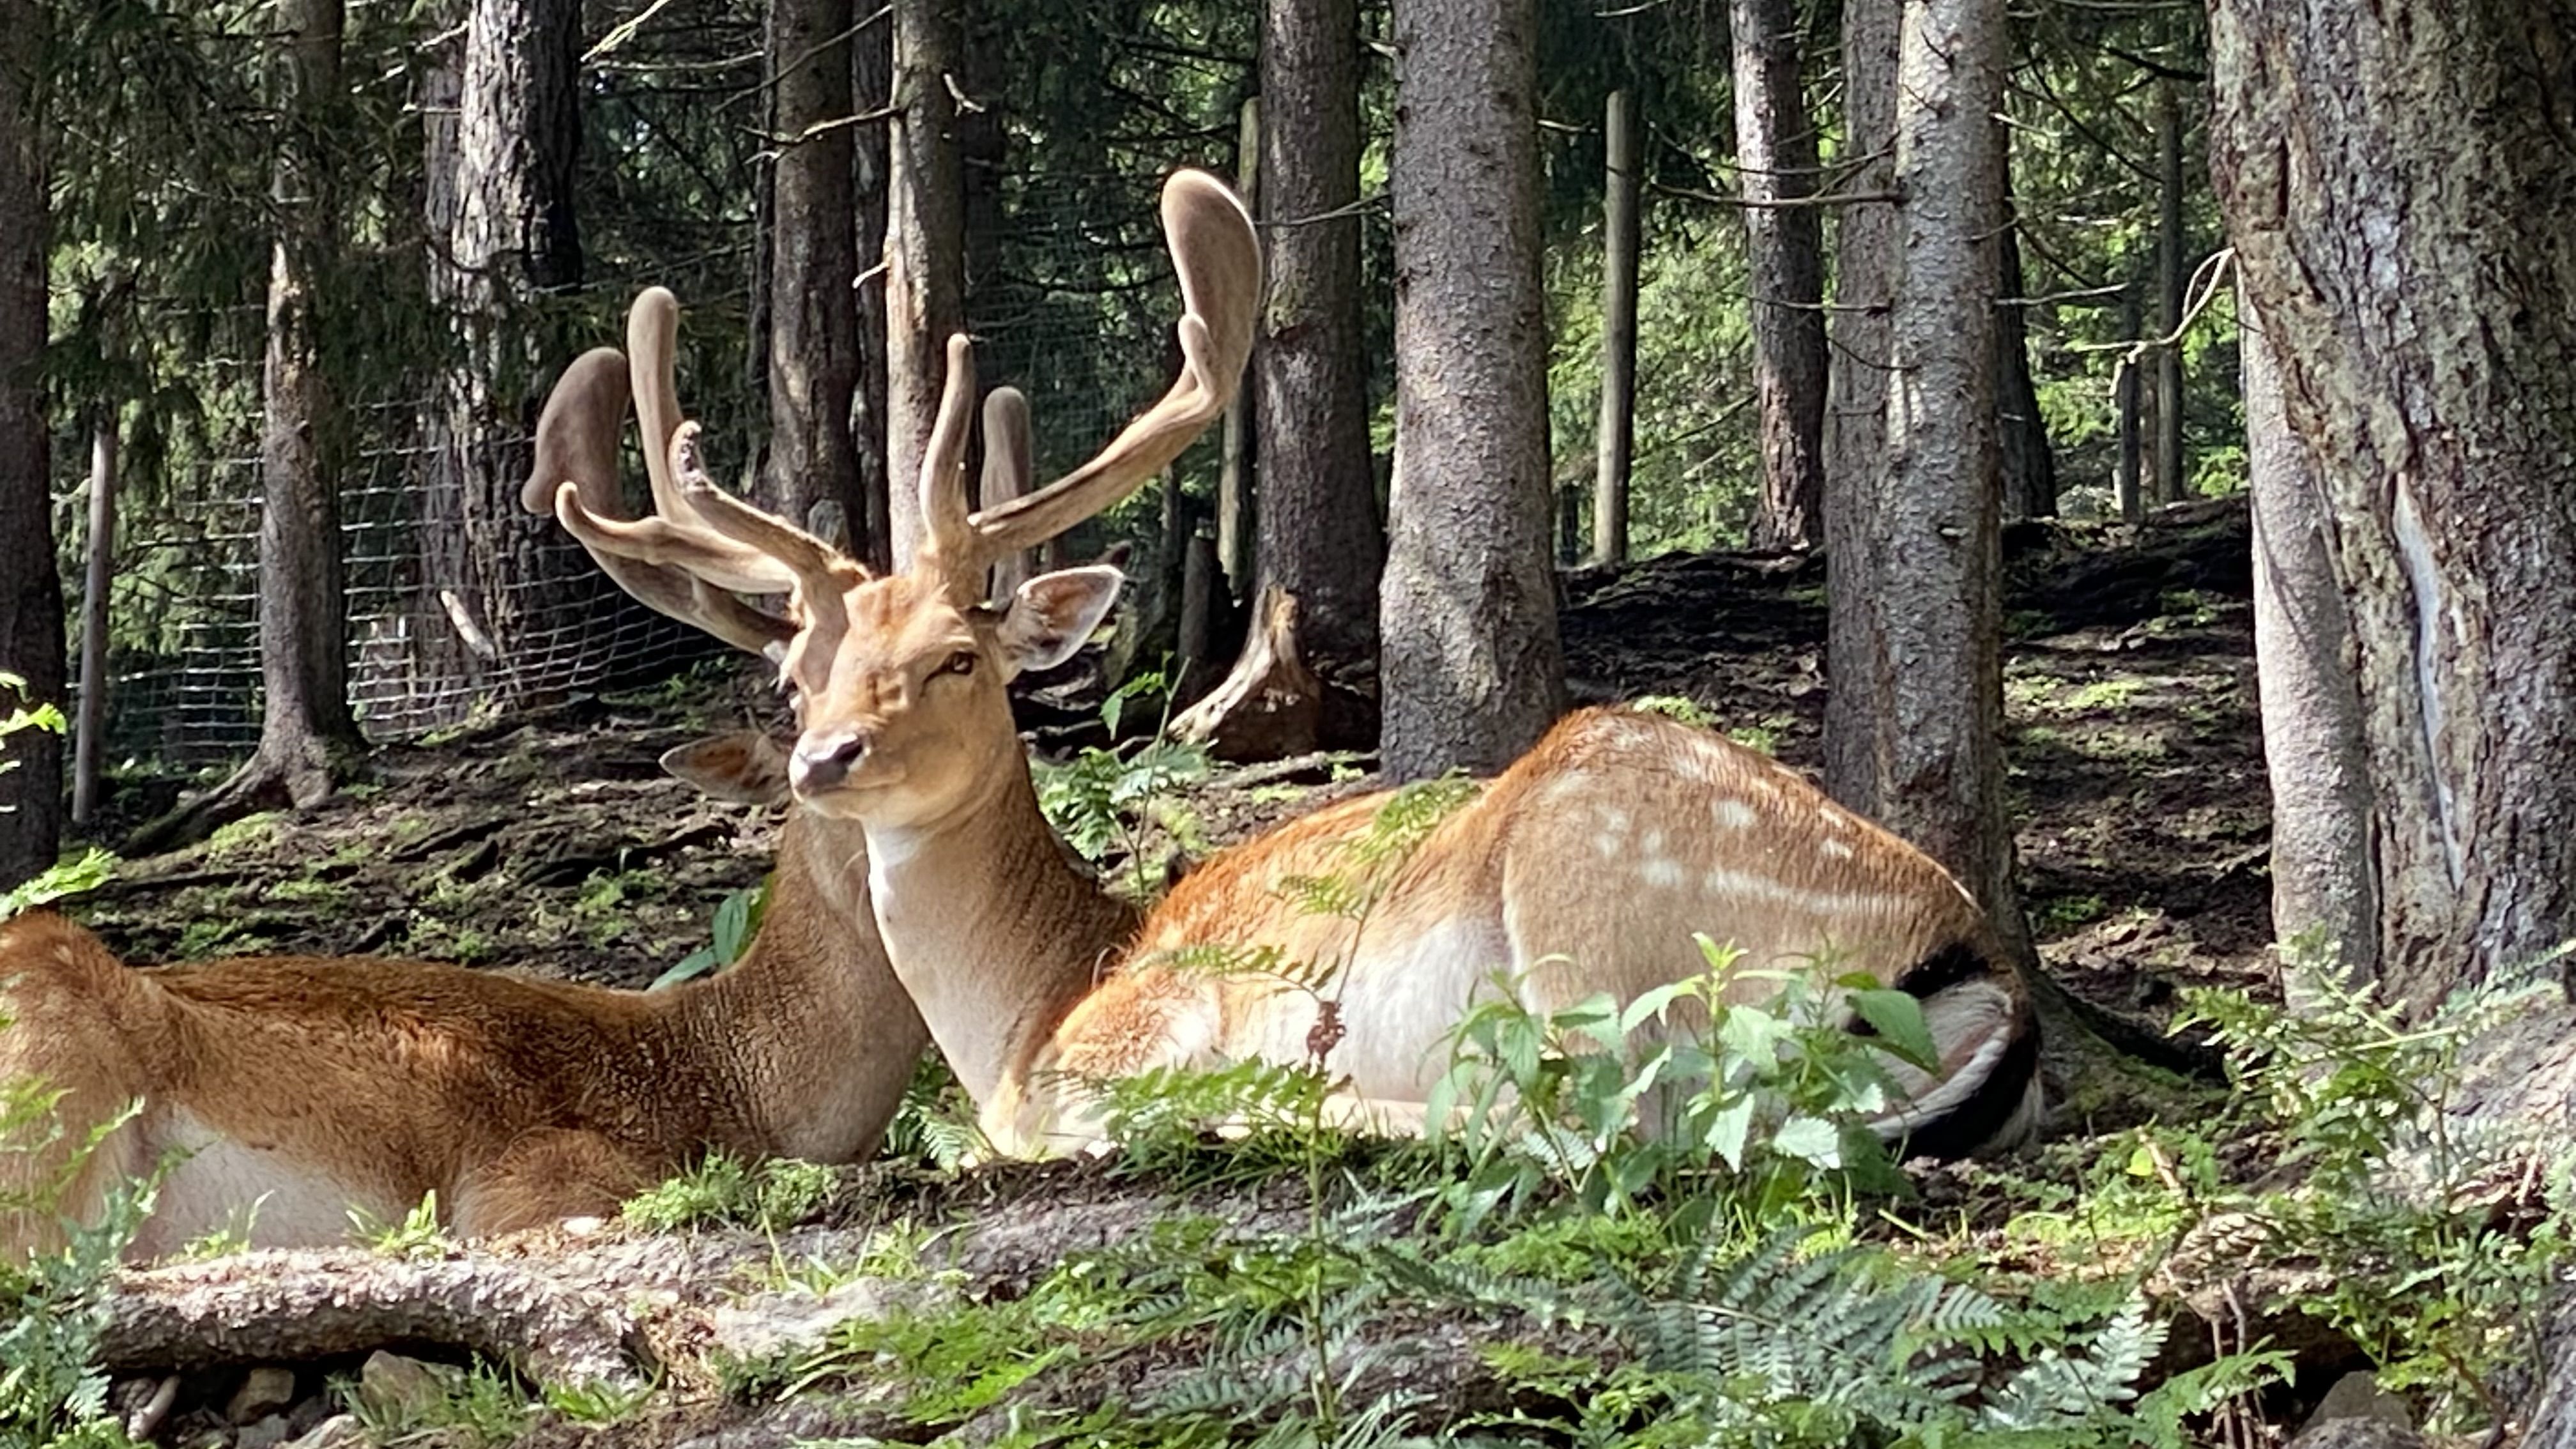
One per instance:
(1585,867)
(282,1092)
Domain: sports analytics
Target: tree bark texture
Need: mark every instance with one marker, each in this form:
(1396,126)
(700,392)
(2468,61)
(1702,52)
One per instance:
(511,236)
(303,659)
(1935,738)
(2392,179)
(1316,517)
(872,88)
(1856,410)
(2312,716)
(1616,430)
(31,591)
(925,253)
(813,251)
(2030,465)
(1239,460)
(1775,152)
(1473,672)
(2171,486)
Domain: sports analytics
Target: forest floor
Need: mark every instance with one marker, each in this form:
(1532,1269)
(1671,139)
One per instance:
(554,845)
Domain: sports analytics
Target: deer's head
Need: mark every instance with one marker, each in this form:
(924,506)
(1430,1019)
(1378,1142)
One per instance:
(898,679)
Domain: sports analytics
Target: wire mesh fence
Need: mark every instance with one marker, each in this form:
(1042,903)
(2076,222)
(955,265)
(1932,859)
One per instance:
(419,660)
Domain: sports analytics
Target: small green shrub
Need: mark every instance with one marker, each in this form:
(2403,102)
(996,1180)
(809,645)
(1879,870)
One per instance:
(723,1190)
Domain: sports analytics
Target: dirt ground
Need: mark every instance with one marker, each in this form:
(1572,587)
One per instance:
(555,845)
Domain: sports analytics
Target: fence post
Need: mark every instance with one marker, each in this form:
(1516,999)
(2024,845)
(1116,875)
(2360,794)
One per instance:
(1618,330)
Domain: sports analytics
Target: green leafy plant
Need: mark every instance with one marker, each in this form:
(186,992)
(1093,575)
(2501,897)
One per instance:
(2427,1263)
(1619,1103)
(721,1189)
(63,878)
(420,1236)
(479,1407)
(52,1303)
(737,920)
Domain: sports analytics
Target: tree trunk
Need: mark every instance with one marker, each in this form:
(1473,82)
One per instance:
(2030,467)
(31,592)
(1238,458)
(303,660)
(1616,432)
(813,319)
(1473,671)
(1934,741)
(89,728)
(872,88)
(925,253)
(1775,153)
(1856,418)
(2392,180)
(2171,487)
(1317,515)
(2312,719)
(511,236)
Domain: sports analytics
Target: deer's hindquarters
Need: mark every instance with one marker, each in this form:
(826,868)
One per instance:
(1593,866)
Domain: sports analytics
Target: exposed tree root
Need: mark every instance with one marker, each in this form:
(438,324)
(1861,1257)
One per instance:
(1271,705)
(275,1307)
(298,775)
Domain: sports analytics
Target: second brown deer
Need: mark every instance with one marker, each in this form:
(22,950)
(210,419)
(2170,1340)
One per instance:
(1586,867)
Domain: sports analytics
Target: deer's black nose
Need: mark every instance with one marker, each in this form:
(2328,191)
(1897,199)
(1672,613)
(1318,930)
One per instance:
(824,760)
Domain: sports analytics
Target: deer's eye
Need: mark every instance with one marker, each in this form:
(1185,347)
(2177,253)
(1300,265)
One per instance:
(960,663)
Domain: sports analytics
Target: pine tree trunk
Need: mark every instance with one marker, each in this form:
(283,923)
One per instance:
(813,319)
(1934,731)
(872,88)
(2030,467)
(511,236)
(31,592)
(303,657)
(2312,719)
(1775,150)
(1473,671)
(925,253)
(1317,517)
(1856,415)
(2393,179)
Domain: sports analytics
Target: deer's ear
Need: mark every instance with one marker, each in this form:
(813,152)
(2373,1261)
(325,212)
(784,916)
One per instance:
(742,765)
(1053,614)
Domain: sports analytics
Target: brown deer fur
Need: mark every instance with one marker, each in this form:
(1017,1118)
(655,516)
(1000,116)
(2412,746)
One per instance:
(279,1093)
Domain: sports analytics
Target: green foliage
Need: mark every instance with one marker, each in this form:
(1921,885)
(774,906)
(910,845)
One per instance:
(420,1236)
(1101,800)
(723,1190)
(63,878)
(480,1407)
(1620,1104)
(52,1304)
(737,920)
(2398,1205)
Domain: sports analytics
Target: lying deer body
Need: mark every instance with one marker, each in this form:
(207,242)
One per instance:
(1586,867)
(283,1092)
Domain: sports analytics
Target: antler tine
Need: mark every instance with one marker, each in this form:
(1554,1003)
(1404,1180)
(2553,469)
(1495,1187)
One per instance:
(820,571)
(947,535)
(1218,257)
(575,479)
(1010,464)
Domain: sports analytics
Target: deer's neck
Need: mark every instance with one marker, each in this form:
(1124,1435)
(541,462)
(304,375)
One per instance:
(994,929)
(811,1023)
